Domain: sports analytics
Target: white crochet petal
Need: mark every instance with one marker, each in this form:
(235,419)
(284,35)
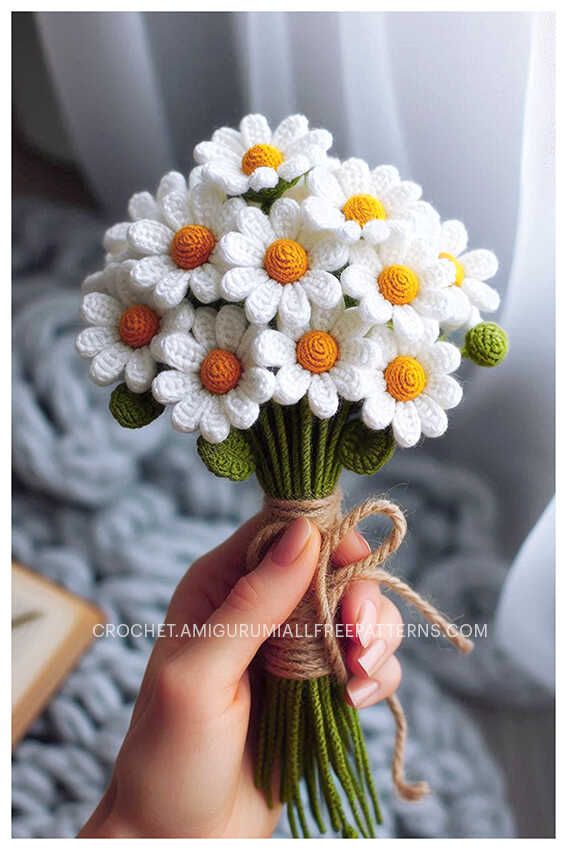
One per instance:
(349,231)
(230,326)
(374,307)
(459,306)
(181,351)
(237,250)
(263,177)
(387,343)
(172,386)
(294,308)
(392,252)
(433,303)
(241,410)
(147,272)
(179,318)
(227,175)
(92,340)
(361,352)
(441,357)
(237,283)
(454,237)
(445,390)
(273,348)
(293,167)
(363,254)
(406,424)
(481,294)
(263,302)
(207,152)
(481,264)
(214,424)
(348,324)
(205,282)
(431,330)
(292,382)
(150,237)
(204,327)
(172,288)
(323,396)
(175,208)
(378,410)
(230,138)
(351,382)
(376,231)
(401,195)
(383,178)
(255,130)
(353,177)
(285,218)
(357,280)
(143,205)
(439,274)
(407,323)
(432,417)
(258,384)
(187,414)
(140,370)
(420,253)
(115,237)
(329,254)
(322,288)
(226,216)
(101,309)
(288,130)
(97,281)
(173,181)
(313,144)
(108,364)
(322,214)
(255,226)
(322,183)
(204,204)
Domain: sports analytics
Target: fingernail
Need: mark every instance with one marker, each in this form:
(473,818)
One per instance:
(370,658)
(366,620)
(360,691)
(292,543)
(363,540)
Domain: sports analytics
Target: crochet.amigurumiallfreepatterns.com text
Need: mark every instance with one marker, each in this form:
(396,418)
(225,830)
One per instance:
(302,315)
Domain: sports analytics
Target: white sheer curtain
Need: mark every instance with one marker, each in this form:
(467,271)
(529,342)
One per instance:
(461,102)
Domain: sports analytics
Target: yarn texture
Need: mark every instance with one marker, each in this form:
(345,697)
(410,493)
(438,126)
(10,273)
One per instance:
(486,344)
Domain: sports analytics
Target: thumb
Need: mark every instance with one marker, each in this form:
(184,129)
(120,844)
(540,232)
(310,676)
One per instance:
(258,602)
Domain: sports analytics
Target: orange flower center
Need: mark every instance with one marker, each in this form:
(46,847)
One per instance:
(220,371)
(261,155)
(192,246)
(138,325)
(286,261)
(398,284)
(405,378)
(459,270)
(317,351)
(363,208)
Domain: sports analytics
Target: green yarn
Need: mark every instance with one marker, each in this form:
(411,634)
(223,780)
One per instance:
(266,197)
(133,410)
(364,451)
(233,458)
(486,344)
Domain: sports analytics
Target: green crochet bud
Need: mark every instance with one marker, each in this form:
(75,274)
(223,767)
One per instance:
(232,458)
(364,451)
(133,410)
(486,344)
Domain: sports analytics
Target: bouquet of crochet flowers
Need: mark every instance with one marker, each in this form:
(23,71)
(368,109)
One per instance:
(295,311)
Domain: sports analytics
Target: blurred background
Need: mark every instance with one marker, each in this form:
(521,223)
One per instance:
(463,103)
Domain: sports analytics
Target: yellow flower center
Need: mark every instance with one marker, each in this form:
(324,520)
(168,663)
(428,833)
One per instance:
(220,371)
(286,261)
(405,378)
(317,351)
(261,155)
(398,284)
(192,246)
(138,325)
(459,270)
(363,208)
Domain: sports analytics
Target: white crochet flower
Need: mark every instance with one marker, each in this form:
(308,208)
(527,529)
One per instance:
(325,359)
(177,246)
(256,159)
(279,267)
(402,280)
(213,383)
(468,293)
(413,388)
(356,202)
(122,328)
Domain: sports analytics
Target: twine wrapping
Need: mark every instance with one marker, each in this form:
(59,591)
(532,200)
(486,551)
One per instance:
(310,657)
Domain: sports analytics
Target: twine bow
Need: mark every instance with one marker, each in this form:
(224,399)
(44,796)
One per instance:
(312,656)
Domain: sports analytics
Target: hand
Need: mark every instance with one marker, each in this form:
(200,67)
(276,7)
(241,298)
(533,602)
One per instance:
(185,768)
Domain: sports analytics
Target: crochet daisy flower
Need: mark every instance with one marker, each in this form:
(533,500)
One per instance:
(402,280)
(278,266)
(325,359)
(355,201)
(213,383)
(413,388)
(177,245)
(256,159)
(468,293)
(122,328)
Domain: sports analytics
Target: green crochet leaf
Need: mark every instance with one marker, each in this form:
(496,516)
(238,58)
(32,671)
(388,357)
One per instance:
(266,197)
(232,458)
(364,451)
(133,410)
